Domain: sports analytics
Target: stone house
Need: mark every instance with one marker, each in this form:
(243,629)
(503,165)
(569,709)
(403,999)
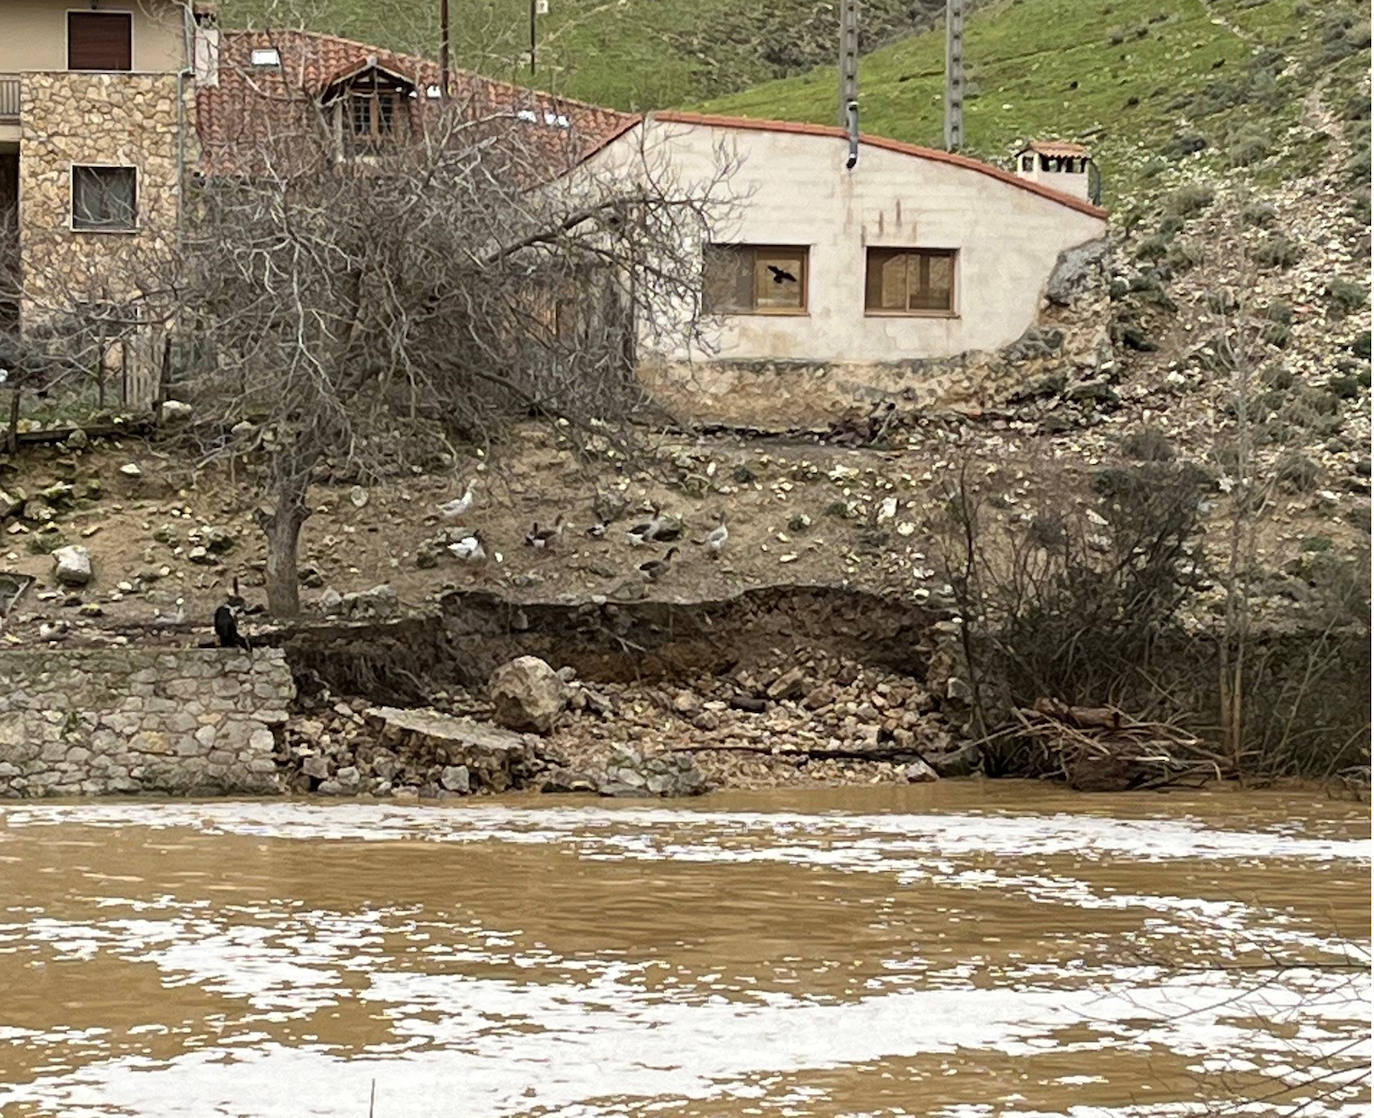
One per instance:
(110,114)
(93,103)
(826,286)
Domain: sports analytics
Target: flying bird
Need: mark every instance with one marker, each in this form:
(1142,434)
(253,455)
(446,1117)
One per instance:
(781,275)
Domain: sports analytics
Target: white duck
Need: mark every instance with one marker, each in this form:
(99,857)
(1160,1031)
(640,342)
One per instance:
(175,616)
(458,508)
(469,549)
(717,538)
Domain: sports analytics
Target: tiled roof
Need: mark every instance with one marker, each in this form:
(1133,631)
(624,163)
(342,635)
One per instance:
(1055,147)
(887,145)
(254,107)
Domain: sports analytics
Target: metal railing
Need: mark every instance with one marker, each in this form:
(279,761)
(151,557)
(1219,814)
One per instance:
(9,97)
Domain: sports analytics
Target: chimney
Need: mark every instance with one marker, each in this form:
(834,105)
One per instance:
(1060,165)
(205,44)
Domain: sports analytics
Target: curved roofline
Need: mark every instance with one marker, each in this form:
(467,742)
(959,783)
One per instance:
(898,146)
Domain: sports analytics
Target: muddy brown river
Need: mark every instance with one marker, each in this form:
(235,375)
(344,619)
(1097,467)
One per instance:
(955,950)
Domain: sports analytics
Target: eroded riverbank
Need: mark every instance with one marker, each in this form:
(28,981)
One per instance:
(950,949)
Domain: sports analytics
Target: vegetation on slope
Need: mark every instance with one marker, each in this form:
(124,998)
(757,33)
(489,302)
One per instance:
(1144,83)
(628,54)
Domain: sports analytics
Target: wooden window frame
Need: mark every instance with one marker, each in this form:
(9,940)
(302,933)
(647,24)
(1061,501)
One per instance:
(376,139)
(753,249)
(132,227)
(102,14)
(952,311)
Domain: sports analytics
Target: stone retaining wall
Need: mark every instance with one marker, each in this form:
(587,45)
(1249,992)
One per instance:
(93,722)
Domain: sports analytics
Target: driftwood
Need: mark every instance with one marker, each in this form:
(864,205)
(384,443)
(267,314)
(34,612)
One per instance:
(904,754)
(1101,749)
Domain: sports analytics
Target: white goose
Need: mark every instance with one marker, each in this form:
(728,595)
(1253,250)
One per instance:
(469,549)
(648,531)
(717,537)
(459,506)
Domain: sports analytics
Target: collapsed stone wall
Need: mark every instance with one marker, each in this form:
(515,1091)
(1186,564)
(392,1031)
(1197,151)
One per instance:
(93,722)
(609,641)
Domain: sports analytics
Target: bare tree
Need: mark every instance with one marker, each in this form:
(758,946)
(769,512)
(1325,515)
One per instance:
(442,281)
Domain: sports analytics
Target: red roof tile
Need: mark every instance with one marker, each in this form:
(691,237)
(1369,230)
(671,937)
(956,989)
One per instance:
(253,108)
(1055,147)
(887,145)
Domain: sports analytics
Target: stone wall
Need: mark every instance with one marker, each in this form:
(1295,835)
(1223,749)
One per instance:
(72,118)
(93,722)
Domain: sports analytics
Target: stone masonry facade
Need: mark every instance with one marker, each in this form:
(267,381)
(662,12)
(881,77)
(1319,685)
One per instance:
(124,721)
(95,119)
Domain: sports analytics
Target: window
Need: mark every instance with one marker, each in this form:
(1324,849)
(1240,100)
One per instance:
(100,41)
(371,117)
(754,279)
(264,56)
(104,198)
(1028,163)
(910,281)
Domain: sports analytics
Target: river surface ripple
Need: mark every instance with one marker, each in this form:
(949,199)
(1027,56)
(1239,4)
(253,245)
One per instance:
(959,950)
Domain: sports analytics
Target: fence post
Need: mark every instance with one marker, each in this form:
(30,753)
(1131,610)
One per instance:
(12,430)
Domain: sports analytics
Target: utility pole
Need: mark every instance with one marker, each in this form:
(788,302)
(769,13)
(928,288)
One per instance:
(532,34)
(849,57)
(954,74)
(443,48)
(849,76)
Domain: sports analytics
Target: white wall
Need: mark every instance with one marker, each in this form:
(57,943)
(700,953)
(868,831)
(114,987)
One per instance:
(794,189)
(33,33)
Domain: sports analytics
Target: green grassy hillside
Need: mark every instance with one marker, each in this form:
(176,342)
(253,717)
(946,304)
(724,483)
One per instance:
(1145,82)
(629,54)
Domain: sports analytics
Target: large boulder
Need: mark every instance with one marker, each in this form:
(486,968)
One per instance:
(527,693)
(73,565)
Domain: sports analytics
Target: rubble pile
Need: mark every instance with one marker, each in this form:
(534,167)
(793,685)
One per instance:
(810,719)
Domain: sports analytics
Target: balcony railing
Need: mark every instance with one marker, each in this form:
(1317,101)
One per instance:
(9,98)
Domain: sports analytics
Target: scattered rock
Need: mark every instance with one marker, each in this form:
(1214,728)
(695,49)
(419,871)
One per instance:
(130,469)
(527,693)
(918,772)
(455,778)
(175,411)
(73,565)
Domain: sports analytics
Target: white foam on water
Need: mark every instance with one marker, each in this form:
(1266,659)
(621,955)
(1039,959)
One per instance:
(622,832)
(489,1047)
(493,1048)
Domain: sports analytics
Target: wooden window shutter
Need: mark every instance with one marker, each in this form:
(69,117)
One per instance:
(100,41)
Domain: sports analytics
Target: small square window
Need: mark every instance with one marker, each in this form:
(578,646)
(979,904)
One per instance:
(104,198)
(264,56)
(101,41)
(754,279)
(909,281)
(1028,163)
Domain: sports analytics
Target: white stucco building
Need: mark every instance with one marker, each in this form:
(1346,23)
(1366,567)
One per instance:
(844,284)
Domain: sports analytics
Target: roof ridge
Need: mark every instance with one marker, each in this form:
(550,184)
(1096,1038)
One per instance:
(902,147)
(454,72)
